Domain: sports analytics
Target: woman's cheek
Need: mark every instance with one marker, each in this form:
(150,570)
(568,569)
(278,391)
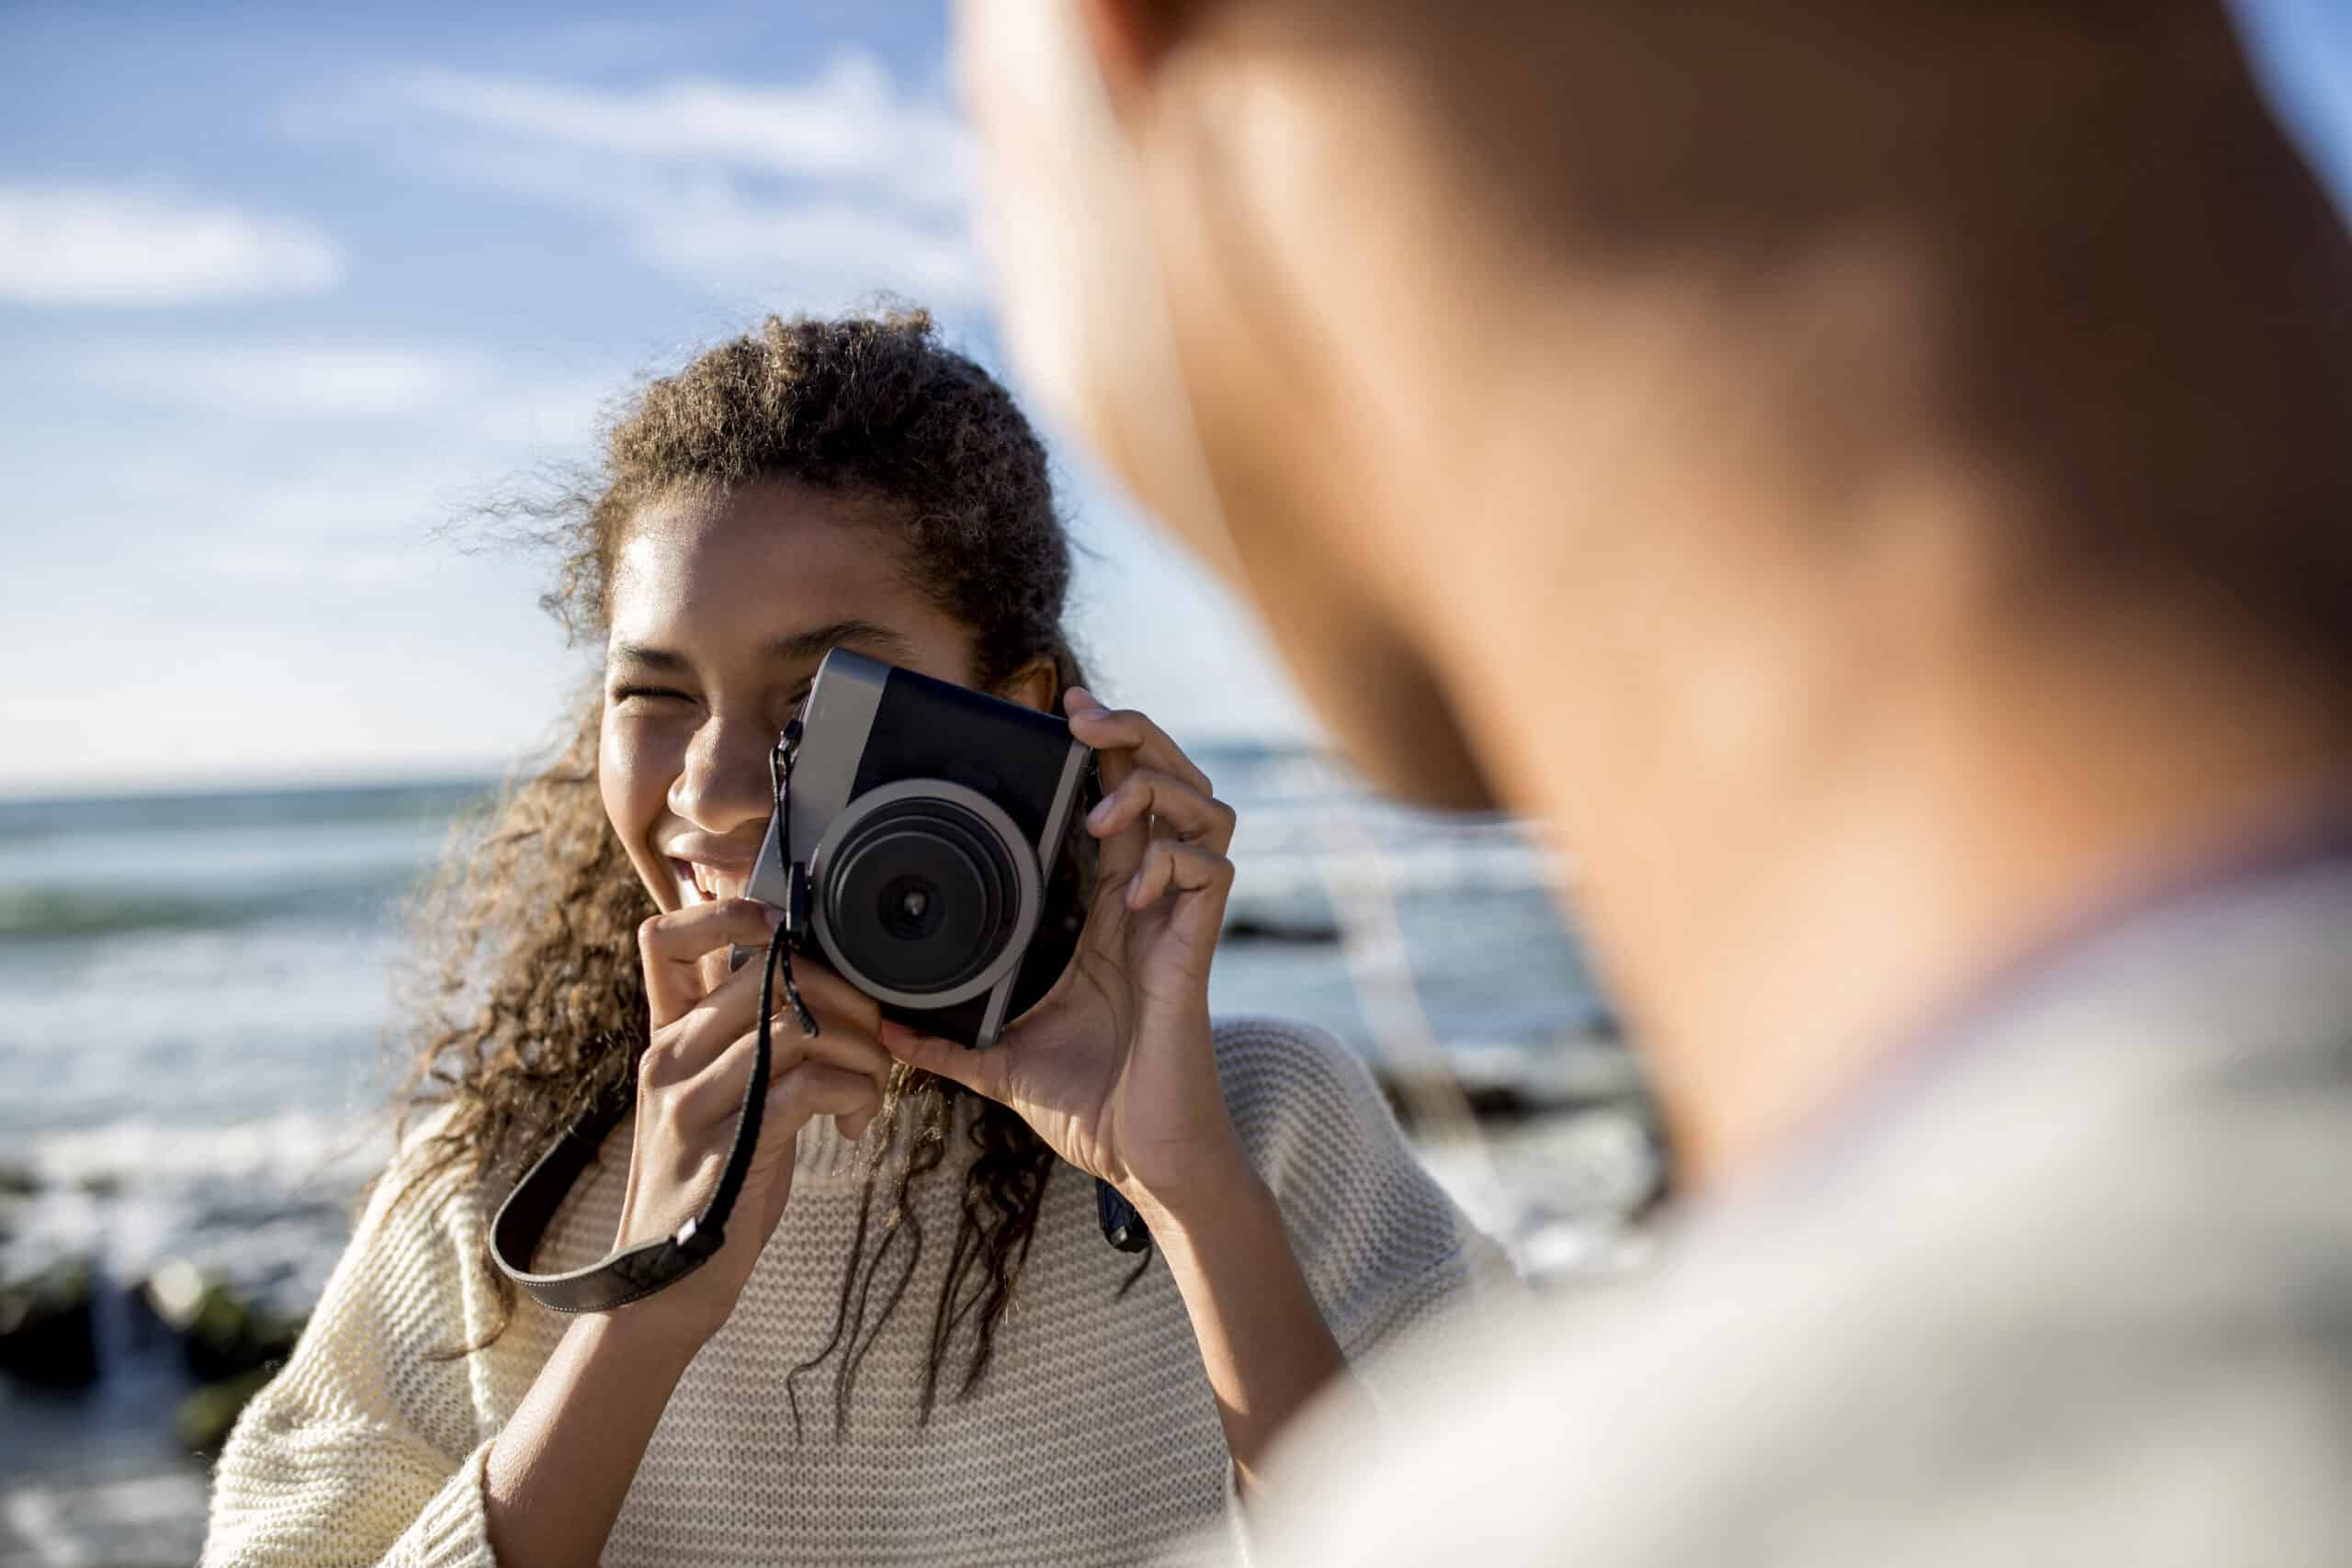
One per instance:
(615,776)
(631,778)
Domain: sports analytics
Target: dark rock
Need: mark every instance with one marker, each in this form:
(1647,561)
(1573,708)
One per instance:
(1517,1084)
(1270,928)
(1486,1101)
(222,1333)
(46,1333)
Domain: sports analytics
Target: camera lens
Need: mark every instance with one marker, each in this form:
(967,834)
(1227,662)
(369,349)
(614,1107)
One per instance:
(909,908)
(920,896)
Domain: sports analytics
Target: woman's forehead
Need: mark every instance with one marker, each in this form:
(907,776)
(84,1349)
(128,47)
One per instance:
(768,537)
(762,562)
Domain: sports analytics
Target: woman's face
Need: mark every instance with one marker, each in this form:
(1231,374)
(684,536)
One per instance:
(721,608)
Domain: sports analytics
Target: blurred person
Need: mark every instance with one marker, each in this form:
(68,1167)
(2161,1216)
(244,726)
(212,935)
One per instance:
(1872,479)
(915,1345)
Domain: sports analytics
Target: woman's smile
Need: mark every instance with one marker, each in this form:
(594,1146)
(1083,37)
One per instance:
(702,883)
(708,867)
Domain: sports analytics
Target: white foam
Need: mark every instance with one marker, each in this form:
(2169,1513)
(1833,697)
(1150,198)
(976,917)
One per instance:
(286,1151)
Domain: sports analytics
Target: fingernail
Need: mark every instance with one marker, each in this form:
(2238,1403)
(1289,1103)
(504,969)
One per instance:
(773,916)
(1102,812)
(1078,700)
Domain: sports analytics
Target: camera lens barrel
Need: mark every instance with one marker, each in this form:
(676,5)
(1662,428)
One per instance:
(925,892)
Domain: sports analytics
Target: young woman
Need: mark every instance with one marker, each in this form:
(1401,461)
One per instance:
(915,1345)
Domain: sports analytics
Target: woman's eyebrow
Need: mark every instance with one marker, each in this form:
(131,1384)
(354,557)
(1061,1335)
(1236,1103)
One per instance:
(654,658)
(812,643)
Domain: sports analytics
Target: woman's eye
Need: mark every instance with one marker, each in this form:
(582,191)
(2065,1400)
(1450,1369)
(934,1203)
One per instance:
(623,694)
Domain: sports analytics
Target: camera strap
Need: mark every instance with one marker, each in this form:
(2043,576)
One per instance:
(633,1273)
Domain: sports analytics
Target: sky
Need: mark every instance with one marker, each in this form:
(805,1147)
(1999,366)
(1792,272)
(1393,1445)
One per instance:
(290,294)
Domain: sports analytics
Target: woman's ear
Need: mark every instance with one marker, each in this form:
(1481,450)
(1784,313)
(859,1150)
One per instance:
(1128,38)
(1035,685)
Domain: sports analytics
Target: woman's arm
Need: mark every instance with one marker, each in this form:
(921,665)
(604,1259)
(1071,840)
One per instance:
(557,1473)
(370,1449)
(367,1447)
(555,1479)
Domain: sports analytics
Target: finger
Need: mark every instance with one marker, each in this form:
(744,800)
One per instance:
(813,1089)
(982,1072)
(734,1006)
(1124,733)
(832,998)
(1175,808)
(672,945)
(712,1094)
(1198,881)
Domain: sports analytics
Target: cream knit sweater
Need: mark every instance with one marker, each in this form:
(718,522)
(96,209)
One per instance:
(1093,1439)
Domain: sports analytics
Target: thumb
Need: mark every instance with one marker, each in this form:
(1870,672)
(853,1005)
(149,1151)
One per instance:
(982,1072)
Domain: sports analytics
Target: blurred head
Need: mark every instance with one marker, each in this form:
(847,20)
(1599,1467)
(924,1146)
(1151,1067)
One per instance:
(1793,450)
(815,483)
(1283,262)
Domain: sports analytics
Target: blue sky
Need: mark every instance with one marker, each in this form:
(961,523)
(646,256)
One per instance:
(285,289)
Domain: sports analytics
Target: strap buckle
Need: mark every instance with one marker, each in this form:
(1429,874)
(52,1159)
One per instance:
(697,1240)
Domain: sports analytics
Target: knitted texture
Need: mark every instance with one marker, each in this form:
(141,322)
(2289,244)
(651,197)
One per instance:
(1093,1439)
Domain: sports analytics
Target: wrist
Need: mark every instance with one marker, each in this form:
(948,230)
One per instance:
(1220,1192)
(640,1335)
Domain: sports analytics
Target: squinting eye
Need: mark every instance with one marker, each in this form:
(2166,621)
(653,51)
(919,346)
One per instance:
(623,694)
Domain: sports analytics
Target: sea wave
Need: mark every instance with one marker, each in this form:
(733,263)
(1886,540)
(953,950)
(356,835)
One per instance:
(286,1151)
(264,1201)
(32,820)
(40,913)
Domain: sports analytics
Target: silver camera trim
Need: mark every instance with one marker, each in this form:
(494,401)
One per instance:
(1030,902)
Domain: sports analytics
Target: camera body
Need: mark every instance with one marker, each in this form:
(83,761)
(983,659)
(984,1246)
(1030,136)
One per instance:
(929,821)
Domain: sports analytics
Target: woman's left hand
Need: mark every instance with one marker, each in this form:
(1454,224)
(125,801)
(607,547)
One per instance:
(1116,1068)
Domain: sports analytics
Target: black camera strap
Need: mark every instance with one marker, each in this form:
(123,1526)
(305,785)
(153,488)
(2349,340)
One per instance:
(633,1273)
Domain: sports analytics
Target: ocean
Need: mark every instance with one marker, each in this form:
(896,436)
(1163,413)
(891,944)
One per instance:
(197,1038)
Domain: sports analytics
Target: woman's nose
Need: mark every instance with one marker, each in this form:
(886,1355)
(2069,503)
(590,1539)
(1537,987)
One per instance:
(724,784)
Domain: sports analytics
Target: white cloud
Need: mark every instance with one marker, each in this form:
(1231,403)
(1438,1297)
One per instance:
(92,246)
(849,124)
(815,193)
(285,380)
(826,246)
(460,401)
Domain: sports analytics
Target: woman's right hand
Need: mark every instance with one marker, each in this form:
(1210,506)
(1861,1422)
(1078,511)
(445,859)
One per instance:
(691,1083)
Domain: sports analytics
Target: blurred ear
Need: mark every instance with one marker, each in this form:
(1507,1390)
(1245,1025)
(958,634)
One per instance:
(1130,39)
(1033,685)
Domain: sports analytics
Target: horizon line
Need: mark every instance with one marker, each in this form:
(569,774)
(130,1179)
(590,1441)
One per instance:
(293,778)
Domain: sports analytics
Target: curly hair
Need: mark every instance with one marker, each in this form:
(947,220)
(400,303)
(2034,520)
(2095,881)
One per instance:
(535,1009)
